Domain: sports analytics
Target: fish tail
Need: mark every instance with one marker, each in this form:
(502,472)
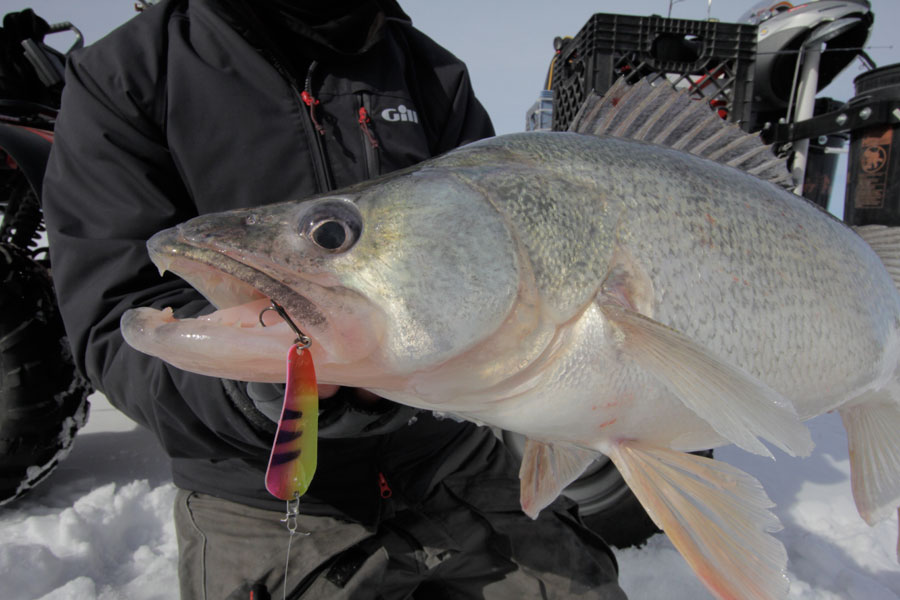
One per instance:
(716,515)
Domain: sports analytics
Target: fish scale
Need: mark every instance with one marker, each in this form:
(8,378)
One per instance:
(762,279)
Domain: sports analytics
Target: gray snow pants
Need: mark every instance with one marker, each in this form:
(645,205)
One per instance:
(467,539)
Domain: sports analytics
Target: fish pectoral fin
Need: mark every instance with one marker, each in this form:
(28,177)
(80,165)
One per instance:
(716,515)
(546,470)
(872,426)
(734,403)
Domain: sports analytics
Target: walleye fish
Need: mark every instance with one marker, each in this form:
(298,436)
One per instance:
(594,293)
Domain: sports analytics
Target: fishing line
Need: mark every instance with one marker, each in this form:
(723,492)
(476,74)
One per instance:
(292,461)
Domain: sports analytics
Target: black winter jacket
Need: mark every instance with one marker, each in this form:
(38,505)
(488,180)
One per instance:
(180,112)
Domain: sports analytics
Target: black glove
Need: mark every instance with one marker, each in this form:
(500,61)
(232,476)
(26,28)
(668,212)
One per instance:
(340,416)
(23,25)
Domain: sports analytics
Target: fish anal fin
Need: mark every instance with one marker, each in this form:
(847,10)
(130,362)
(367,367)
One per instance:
(740,407)
(546,470)
(874,446)
(716,515)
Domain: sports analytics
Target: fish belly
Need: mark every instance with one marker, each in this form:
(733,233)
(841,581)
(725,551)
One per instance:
(584,391)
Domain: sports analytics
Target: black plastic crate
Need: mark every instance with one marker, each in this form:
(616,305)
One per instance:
(713,60)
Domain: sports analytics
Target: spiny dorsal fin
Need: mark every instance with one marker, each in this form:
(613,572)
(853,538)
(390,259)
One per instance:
(668,117)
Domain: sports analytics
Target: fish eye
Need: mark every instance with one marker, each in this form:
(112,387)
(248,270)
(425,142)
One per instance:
(330,235)
(333,224)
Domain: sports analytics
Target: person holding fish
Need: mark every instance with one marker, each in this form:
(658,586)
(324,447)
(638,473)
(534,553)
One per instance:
(199,106)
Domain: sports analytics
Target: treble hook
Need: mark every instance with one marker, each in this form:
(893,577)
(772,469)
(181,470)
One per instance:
(302,339)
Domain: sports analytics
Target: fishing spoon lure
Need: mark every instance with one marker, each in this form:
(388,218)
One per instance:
(292,462)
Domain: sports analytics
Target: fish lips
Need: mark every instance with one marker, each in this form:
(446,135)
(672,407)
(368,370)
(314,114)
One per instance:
(233,342)
(219,275)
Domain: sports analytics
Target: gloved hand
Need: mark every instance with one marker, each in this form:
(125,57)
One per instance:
(348,413)
(268,398)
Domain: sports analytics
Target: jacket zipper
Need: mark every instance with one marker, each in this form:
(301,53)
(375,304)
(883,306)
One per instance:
(245,26)
(370,142)
(384,489)
(315,134)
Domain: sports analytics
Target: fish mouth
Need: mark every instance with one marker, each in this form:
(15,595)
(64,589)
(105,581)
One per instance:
(240,340)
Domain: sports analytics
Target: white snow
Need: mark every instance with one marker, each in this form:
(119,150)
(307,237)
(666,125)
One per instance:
(101,526)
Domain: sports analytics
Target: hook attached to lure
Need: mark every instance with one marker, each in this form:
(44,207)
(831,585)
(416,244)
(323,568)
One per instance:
(302,339)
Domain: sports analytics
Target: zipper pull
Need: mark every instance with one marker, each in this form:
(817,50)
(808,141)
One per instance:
(385,489)
(311,103)
(364,121)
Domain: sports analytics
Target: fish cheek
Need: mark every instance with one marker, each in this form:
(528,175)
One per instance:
(441,263)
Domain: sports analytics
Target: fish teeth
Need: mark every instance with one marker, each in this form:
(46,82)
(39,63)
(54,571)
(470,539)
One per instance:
(162,264)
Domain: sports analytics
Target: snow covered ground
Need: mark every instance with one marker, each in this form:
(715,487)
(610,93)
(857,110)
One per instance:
(101,528)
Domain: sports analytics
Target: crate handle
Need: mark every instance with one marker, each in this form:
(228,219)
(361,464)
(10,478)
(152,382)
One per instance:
(690,52)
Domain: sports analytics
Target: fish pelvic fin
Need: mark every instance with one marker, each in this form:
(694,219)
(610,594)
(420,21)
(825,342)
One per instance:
(715,515)
(872,424)
(885,241)
(546,470)
(736,405)
(668,117)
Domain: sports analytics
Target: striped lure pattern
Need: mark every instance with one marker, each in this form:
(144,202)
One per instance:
(292,462)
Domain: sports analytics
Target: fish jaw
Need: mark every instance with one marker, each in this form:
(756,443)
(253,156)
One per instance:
(242,340)
(208,346)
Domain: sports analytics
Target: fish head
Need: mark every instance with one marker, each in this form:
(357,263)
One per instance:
(387,278)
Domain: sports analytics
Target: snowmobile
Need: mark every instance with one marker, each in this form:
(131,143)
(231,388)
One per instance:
(43,399)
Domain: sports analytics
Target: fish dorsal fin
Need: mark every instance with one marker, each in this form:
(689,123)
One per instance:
(668,117)
(885,241)
(716,515)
